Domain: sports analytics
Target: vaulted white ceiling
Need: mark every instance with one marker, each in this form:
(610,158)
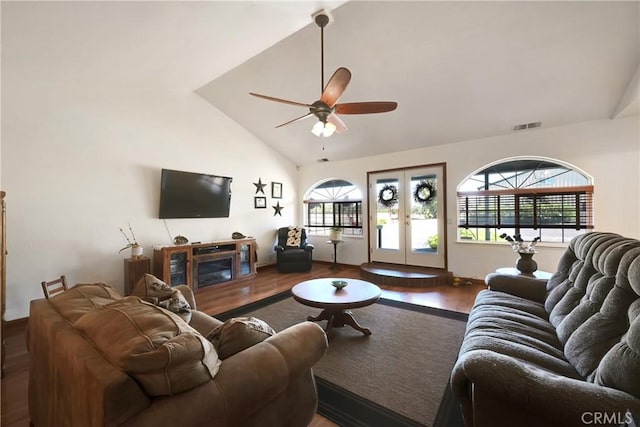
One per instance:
(458,70)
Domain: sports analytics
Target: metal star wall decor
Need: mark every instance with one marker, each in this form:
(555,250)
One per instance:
(259,186)
(277,209)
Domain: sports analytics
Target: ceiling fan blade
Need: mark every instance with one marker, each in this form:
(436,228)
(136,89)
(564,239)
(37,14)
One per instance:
(340,126)
(336,86)
(284,101)
(366,107)
(295,120)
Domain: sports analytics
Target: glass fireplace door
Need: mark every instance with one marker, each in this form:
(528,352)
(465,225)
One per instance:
(212,270)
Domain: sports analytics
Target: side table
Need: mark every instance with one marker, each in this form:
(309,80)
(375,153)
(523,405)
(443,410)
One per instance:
(512,271)
(134,269)
(335,244)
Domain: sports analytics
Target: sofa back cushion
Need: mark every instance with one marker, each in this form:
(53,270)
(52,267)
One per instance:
(575,269)
(600,318)
(154,346)
(620,366)
(79,300)
(591,302)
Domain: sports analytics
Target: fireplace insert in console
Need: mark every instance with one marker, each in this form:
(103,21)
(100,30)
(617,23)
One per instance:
(212,269)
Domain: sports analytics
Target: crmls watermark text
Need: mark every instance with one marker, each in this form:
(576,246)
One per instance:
(600,418)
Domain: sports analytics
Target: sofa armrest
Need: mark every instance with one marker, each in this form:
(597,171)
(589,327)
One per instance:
(251,378)
(70,383)
(521,286)
(498,390)
(278,248)
(308,247)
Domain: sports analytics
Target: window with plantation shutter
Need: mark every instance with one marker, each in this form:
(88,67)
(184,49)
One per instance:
(531,197)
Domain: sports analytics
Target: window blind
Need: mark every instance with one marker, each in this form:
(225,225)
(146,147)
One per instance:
(570,207)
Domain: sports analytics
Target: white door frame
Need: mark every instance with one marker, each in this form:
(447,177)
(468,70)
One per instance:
(401,252)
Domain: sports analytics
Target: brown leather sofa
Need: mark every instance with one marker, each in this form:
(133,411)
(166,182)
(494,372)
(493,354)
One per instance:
(98,359)
(565,354)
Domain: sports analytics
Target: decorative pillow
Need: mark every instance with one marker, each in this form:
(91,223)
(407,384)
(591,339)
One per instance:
(154,346)
(157,292)
(239,333)
(77,301)
(294,236)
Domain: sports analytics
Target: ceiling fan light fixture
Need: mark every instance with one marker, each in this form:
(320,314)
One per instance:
(317,128)
(327,108)
(323,129)
(329,129)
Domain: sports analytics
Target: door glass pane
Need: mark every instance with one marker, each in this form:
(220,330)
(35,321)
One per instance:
(424,214)
(388,229)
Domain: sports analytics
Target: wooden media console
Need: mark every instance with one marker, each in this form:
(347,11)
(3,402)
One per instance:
(199,265)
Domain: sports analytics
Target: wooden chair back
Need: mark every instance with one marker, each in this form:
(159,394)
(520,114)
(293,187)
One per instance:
(54,287)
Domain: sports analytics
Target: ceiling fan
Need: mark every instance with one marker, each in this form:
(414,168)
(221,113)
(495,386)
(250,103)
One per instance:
(326,109)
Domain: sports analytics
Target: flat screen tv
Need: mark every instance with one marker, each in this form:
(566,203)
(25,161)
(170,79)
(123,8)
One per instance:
(194,195)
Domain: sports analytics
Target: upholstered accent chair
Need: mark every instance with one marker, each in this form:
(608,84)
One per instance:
(293,253)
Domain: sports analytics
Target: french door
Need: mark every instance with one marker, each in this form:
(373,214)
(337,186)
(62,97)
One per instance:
(407,216)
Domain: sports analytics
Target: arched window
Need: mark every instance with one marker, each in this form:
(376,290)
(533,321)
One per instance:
(334,203)
(533,197)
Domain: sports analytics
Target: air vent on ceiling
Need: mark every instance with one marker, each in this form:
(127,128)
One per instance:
(323,160)
(527,126)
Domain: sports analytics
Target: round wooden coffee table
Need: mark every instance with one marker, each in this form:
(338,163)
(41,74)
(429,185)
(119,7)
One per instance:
(336,303)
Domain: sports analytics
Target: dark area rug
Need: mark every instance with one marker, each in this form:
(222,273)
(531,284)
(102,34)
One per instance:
(398,376)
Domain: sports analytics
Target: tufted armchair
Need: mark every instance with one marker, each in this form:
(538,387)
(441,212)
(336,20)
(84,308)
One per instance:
(293,253)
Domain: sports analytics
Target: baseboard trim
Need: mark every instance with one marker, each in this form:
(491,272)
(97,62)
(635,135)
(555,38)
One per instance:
(262,266)
(16,323)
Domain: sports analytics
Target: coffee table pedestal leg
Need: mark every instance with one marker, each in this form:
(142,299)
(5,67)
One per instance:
(337,319)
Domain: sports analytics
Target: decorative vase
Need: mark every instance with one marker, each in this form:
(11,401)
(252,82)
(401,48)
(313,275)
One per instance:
(136,252)
(526,264)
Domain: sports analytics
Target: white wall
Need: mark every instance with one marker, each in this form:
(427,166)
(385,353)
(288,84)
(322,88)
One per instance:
(91,113)
(608,150)
(78,163)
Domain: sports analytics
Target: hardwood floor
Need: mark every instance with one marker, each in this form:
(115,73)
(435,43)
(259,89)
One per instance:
(215,300)
(15,409)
